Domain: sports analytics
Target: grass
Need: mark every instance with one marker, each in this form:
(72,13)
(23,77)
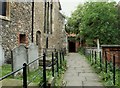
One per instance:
(59,79)
(37,76)
(7,69)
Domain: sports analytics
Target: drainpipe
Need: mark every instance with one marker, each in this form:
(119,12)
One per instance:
(45,23)
(44,16)
(51,17)
(32,19)
(48,17)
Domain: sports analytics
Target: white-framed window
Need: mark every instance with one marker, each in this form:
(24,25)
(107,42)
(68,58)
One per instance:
(5,9)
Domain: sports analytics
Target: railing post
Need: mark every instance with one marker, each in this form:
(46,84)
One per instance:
(92,58)
(90,55)
(55,50)
(100,61)
(105,62)
(24,75)
(60,59)
(63,55)
(95,58)
(118,77)
(44,70)
(52,64)
(57,63)
(114,69)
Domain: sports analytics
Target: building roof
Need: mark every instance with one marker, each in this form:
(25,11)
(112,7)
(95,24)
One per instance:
(71,35)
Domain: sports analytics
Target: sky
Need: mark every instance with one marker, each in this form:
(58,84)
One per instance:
(68,6)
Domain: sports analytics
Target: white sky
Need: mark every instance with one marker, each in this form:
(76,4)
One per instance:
(68,6)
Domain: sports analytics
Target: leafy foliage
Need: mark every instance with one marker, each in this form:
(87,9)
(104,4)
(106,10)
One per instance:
(106,78)
(96,20)
(74,21)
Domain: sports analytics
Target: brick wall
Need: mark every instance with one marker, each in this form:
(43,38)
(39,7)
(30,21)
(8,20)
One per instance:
(110,51)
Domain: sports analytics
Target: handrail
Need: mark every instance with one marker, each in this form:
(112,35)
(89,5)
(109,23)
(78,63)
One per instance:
(11,73)
(55,61)
(34,60)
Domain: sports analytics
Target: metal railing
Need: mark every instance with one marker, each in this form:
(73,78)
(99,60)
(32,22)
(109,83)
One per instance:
(55,61)
(105,64)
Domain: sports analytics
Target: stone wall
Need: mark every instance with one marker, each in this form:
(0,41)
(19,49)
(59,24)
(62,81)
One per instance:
(39,25)
(57,37)
(20,22)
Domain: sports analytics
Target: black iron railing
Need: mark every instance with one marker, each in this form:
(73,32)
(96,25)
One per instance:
(105,64)
(55,61)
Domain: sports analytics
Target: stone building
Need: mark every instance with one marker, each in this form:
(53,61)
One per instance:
(54,24)
(57,38)
(19,25)
(15,25)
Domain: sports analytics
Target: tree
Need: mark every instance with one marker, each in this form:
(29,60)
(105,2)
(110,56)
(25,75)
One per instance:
(73,22)
(100,21)
(97,20)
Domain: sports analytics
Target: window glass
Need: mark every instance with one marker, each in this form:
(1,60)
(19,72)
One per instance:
(3,6)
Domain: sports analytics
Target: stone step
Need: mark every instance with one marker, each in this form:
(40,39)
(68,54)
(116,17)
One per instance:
(14,83)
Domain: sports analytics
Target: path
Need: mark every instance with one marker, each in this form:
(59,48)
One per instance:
(79,72)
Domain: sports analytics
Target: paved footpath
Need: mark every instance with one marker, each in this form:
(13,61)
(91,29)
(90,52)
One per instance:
(79,72)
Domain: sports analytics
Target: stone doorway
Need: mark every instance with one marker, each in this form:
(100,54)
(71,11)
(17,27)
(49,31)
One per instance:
(72,46)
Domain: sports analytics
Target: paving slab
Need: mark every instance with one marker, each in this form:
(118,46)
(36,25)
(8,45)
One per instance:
(80,73)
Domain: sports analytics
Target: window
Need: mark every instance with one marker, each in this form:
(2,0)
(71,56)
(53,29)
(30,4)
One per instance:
(4,9)
(48,17)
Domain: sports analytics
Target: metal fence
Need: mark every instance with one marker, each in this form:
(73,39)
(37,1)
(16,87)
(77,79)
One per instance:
(105,65)
(57,59)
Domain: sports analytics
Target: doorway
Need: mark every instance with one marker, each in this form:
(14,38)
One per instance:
(72,46)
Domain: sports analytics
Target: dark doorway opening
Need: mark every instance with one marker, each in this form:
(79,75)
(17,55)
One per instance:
(72,47)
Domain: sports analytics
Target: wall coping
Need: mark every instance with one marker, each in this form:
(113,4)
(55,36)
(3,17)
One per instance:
(110,46)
